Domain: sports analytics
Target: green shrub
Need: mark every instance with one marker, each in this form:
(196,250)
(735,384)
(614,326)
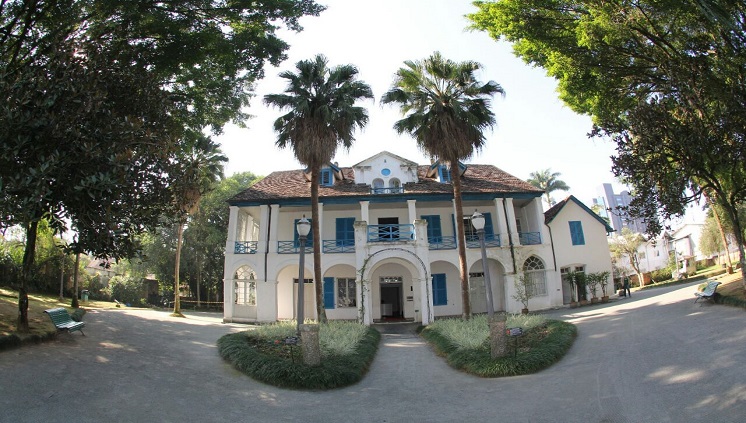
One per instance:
(660,275)
(347,350)
(542,344)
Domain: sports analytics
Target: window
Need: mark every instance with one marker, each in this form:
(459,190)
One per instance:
(533,269)
(346,292)
(440,295)
(395,185)
(434,232)
(444,173)
(576,232)
(345,231)
(377,183)
(471,233)
(326,178)
(245,286)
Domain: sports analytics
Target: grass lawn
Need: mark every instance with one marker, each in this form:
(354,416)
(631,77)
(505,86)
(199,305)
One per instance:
(347,350)
(39,324)
(465,344)
(732,286)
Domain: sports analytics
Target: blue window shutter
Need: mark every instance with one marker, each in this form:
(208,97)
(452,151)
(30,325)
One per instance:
(576,233)
(440,296)
(309,239)
(327,178)
(328,293)
(444,173)
(345,231)
(433,226)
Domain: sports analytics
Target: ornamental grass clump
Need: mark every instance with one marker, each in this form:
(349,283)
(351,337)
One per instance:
(347,350)
(465,344)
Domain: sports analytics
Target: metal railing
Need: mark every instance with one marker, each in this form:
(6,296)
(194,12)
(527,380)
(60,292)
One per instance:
(529,238)
(245,247)
(390,233)
(395,190)
(338,246)
(441,242)
(490,240)
(293,247)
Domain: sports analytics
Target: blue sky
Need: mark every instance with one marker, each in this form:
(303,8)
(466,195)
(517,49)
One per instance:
(534,129)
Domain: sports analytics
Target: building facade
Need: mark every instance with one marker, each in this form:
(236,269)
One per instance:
(612,206)
(388,243)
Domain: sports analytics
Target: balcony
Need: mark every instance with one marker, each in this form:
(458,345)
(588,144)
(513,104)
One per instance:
(395,190)
(334,246)
(490,240)
(390,233)
(245,247)
(529,238)
(441,242)
(293,247)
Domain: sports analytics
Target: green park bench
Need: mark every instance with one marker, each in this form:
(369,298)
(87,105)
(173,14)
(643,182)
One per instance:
(708,293)
(63,321)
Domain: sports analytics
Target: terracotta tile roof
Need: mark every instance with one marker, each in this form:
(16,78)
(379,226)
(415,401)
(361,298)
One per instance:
(292,184)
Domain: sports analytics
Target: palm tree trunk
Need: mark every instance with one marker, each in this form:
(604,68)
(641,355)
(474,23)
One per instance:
(461,240)
(315,224)
(177,301)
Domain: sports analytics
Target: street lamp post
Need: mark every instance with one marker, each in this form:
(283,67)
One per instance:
(477,220)
(303,227)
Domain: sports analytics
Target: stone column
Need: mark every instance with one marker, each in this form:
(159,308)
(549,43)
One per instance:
(309,337)
(498,339)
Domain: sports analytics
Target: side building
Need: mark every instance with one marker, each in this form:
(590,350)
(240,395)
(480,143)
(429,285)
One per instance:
(388,243)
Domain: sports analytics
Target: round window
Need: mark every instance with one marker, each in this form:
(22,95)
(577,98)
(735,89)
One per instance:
(385,172)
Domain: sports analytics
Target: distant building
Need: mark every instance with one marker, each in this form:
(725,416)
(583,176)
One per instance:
(612,207)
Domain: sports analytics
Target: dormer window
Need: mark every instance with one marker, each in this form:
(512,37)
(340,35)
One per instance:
(444,173)
(326,178)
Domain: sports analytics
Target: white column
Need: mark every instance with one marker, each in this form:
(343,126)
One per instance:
(321,226)
(364,214)
(266,301)
(412,210)
(263,221)
(230,243)
(228,296)
(502,228)
(511,221)
(543,229)
(274,219)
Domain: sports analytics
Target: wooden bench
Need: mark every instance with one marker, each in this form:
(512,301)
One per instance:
(708,293)
(63,321)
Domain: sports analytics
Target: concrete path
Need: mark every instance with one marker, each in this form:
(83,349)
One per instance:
(654,357)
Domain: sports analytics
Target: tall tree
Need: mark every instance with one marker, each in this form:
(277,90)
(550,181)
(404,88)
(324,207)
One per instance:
(627,245)
(446,109)
(663,79)
(199,165)
(322,116)
(548,181)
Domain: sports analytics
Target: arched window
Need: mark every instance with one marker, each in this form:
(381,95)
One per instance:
(394,185)
(377,186)
(533,269)
(245,286)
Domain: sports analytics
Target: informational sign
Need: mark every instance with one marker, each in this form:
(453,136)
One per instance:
(291,340)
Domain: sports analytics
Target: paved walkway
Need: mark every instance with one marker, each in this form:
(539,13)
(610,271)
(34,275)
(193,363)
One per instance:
(655,357)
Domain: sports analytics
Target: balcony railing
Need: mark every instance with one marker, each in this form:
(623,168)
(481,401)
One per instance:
(490,240)
(390,233)
(293,247)
(338,246)
(530,238)
(441,242)
(245,247)
(395,190)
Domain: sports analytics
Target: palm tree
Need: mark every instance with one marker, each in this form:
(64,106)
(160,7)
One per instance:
(446,110)
(199,165)
(321,116)
(549,182)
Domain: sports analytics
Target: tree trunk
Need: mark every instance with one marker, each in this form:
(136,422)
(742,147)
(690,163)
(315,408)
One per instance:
(199,279)
(177,300)
(315,224)
(461,240)
(720,228)
(732,214)
(74,303)
(62,278)
(28,262)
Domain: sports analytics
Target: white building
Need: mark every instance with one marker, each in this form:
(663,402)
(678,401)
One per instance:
(388,243)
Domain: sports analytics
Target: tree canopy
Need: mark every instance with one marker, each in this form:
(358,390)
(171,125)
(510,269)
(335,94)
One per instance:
(548,181)
(663,79)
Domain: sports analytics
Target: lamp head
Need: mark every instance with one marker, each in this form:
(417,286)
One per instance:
(303,226)
(477,220)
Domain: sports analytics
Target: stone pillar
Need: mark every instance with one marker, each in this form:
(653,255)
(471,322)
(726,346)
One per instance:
(502,227)
(309,337)
(510,216)
(498,339)
(230,243)
(274,225)
(364,211)
(412,210)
